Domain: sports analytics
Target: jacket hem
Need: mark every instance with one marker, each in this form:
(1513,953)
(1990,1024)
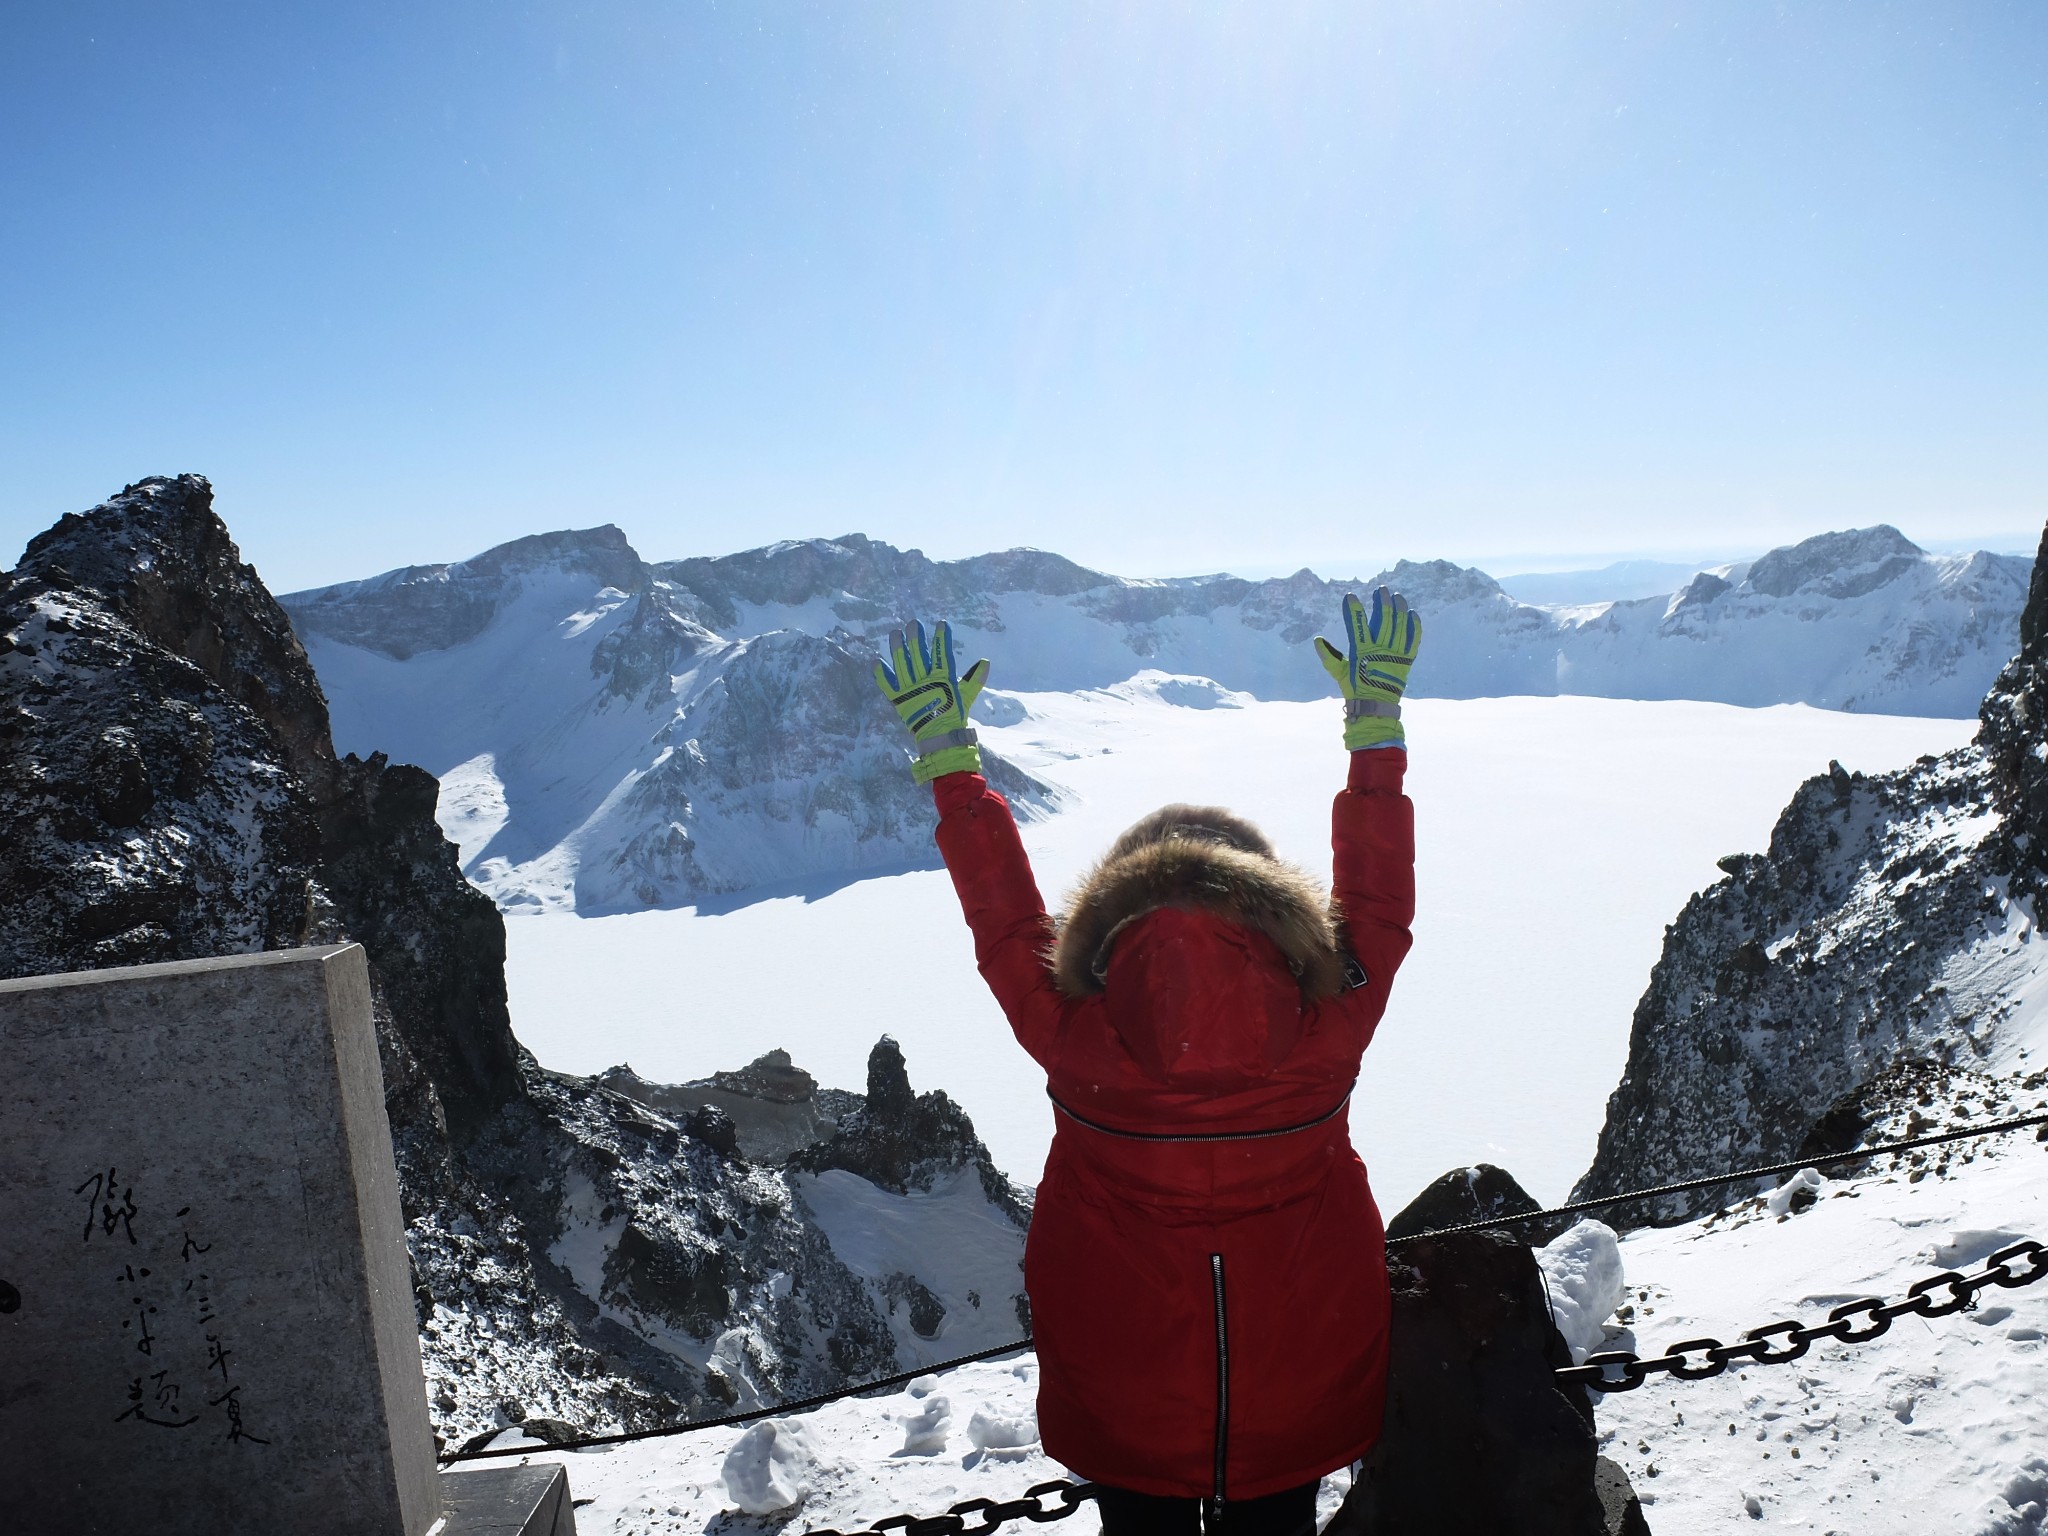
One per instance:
(1202,1488)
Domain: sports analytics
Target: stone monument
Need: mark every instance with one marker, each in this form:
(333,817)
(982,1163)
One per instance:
(206,1312)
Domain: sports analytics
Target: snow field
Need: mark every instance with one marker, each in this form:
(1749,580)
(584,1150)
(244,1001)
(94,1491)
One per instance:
(850,1460)
(1921,1430)
(1556,838)
(960,1247)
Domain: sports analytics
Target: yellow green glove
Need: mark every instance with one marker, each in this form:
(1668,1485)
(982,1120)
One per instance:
(1372,670)
(925,685)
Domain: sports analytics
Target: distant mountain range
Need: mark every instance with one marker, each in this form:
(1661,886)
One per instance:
(1619,582)
(613,733)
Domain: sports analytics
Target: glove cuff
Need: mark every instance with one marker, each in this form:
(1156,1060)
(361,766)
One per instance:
(1373,731)
(944,758)
(943,740)
(1373,709)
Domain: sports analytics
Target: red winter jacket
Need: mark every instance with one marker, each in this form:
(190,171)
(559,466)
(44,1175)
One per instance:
(1210,1315)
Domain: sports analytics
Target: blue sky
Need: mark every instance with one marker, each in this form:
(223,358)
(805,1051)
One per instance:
(1167,288)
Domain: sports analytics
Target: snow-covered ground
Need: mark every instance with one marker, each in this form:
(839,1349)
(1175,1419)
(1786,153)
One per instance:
(857,1469)
(1937,1426)
(1925,1429)
(1557,837)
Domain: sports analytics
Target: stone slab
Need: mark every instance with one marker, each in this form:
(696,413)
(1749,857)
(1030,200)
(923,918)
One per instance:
(212,1326)
(528,1500)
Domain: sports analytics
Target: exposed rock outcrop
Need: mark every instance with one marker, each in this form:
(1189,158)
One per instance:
(774,1107)
(1891,919)
(900,1140)
(1479,1437)
(1478,1193)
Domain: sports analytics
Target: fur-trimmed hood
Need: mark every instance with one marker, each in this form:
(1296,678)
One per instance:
(1205,859)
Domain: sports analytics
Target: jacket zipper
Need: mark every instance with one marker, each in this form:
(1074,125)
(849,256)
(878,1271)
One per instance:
(1222,1378)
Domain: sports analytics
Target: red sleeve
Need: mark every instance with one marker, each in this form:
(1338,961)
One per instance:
(1373,837)
(1012,933)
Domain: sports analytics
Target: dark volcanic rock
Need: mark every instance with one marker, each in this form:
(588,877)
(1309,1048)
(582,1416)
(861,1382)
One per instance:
(900,1140)
(150,811)
(714,1127)
(1479,1437)
(1472,1194)
(927,1312)
(773,1077)
(438,943)
(1618,1501)
(211,815)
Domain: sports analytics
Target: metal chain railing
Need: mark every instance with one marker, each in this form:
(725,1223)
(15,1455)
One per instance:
(751,1415)
(1697,1359)
(992,1512)
(1740,1176)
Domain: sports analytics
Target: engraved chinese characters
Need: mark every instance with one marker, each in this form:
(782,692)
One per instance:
(204,1249)
(175,1323)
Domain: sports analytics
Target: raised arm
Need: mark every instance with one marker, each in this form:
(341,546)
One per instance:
(977,835)
(1012,933)
(1373,823)
(1372,834)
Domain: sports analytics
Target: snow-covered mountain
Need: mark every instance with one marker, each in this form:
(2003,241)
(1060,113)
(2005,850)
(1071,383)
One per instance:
(600,748)
(1859,620)
(613,734)
(591,1253)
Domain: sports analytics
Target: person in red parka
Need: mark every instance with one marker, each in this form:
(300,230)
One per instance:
(1206,1265)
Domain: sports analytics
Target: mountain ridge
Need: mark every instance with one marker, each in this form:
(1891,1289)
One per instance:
(614,734)
(864,587)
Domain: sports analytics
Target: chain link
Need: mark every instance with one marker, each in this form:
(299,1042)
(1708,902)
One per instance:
(1067,1494)
(1697,1359)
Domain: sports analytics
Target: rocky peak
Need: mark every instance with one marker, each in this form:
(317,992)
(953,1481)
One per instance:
(2012,727)
(771,1076)
(157,557)
(1029,570)
(176,794)
(2034,617)
(1438,583)
(1700,591)
(1847,564)
(901,1140)
(889,1094)
(432,607)
(149,813)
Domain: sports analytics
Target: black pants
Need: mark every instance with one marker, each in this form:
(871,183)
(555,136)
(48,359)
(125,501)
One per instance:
(1124,1513)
